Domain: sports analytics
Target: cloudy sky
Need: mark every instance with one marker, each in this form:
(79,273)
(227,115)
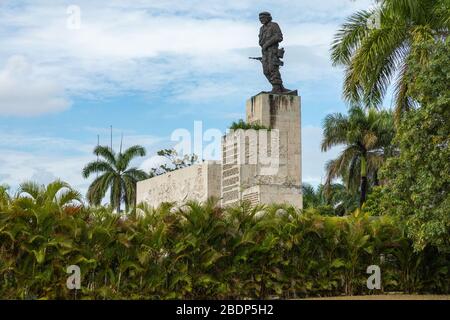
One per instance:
(147,68)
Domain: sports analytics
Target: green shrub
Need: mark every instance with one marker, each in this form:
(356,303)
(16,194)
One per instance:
(241,124)
(417,184)
(202,251)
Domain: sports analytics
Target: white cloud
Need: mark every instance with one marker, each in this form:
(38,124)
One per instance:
(41,143)
(43,176)
(24,93)
(148,46)
(25,165)
(147,141)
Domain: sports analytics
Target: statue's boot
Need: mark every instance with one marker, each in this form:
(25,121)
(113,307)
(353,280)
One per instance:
(279,89)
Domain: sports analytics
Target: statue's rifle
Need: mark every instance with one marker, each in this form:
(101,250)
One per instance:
(256,58)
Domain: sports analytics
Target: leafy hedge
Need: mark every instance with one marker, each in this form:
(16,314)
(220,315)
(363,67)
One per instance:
(206,252)
(241,124)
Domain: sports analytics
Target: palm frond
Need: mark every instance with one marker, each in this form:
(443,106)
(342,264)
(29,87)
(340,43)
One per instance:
(373,56)
(31,188)
(129,154)
(136,174)
(335,127)
(402,102)
(408,8)
(68,197)
(54,188)
(106,153)
(373,65)
(116,192)
(96,167)
(98,188)
(353,174)
(338,167)
(374,161)
(129,191)
(349,37)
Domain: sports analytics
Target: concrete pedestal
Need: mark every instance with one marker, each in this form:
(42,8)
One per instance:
(265,181)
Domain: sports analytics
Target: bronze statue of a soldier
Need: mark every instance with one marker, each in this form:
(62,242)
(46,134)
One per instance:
(269,38)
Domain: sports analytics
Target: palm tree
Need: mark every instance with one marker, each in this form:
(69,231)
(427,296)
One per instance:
(311,197)
(342,199)
(373,56)
(335,197)
(4,195)
(366,137)
(115,176)
(57,193)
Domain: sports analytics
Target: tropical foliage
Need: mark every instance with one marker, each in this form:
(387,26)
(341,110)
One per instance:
(366,137)
(56,195)
(374,46)
(4,195)
(203,251)
(418,180)
(174,160)
(115,176)
(241,124)
(206,252)
(335,199)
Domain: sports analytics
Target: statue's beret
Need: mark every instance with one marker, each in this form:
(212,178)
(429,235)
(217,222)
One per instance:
(265,13)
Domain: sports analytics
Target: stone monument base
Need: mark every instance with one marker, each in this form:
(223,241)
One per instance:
(243,180)
(260,166)
(270,194)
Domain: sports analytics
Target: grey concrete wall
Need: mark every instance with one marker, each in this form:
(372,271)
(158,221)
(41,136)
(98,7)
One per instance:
(197,182)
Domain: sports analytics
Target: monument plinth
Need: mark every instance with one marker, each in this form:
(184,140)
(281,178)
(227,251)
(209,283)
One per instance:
(260,166)
(264,166)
